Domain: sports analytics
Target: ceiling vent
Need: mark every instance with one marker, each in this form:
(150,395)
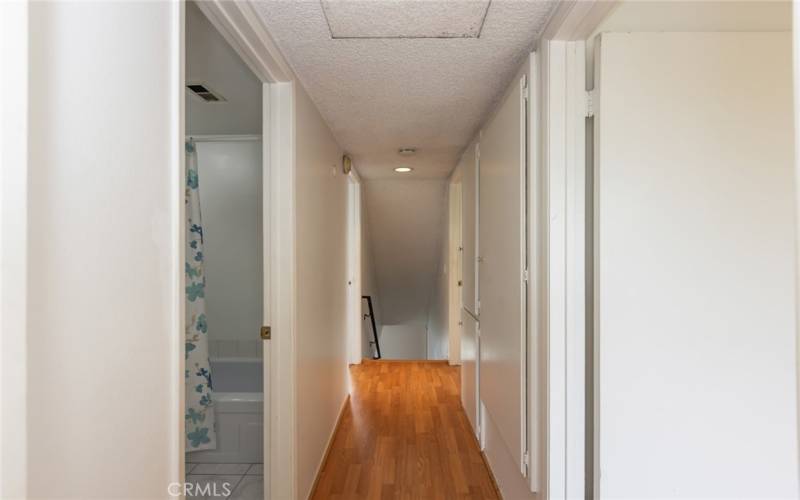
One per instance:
(202,91)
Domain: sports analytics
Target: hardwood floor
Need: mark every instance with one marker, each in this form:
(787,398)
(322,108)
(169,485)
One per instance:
(404,435)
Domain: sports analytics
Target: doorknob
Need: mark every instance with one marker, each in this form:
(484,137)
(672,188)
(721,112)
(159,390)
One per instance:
(266,333)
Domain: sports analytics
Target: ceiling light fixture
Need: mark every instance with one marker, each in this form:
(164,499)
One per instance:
(403,170)
(406,151)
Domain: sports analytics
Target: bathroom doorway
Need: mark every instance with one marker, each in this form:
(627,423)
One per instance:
(226,268)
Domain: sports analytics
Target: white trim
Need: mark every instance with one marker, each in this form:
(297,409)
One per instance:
(280,351)
(554,56)
(455,255)
(14,36)
(577,19)
(796,75)
(226,138)
(266,272)
(537,312)
(524,461)
(575,270)
(354,300)
(563,225)
(241,26)
(178,216)
(328,447)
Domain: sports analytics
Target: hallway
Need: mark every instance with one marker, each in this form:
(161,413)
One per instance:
(404,435)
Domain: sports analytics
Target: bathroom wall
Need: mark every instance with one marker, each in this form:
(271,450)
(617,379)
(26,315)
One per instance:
(321,288)
(231,206)
(230,188)
(211,60)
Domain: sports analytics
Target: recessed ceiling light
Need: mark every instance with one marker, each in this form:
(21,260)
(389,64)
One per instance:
(406,151)
(403,170)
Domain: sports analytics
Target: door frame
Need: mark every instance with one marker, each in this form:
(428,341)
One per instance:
(562,253)
(241,27)
(354,245)
(454,276)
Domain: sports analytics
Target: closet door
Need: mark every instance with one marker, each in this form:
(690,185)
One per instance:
(469,313)
(469,225)
(695,294)
(502,248)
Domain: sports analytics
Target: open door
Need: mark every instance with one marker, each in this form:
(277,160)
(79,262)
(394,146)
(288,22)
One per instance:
(354,300)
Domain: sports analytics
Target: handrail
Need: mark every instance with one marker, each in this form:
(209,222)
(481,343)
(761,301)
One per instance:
(374,328)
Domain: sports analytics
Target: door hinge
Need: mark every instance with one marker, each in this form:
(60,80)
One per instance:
(525,275)
(591,104)
(266,333)
(526,459)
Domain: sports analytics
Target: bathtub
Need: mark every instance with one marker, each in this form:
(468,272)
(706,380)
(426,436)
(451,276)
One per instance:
(239,404)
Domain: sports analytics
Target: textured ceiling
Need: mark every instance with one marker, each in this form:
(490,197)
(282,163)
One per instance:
(380,94)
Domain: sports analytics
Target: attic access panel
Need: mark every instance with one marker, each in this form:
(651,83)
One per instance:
(405,19)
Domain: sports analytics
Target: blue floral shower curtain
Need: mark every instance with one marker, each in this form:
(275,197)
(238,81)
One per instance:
(200,421)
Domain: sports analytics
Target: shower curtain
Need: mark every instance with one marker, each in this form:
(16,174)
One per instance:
(200,421)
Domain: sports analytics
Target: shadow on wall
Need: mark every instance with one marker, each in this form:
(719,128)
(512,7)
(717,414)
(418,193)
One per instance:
(406,229)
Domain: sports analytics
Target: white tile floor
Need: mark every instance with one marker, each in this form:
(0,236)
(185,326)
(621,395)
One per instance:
(244,481)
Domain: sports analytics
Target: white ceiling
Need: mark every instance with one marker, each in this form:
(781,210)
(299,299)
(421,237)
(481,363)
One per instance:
(380,94)
(406,226)
(210,60)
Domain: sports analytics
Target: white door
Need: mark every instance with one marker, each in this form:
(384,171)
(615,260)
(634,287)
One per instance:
(469,366)
(469,272)
(695,266)
(502,260)
(354,300)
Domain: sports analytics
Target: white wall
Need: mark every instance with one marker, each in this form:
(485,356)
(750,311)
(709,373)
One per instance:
(408,341)
(230,196)
(369,286)
(321,287)
(212,61)
(503,457)
(438,327)
(104,208)
(13,248)
(695,266)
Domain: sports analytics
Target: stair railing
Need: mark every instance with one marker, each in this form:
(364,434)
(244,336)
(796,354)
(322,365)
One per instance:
(371,316)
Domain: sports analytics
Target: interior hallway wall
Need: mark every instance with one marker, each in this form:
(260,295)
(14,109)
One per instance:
(438,314)
(369,287)
(321,329)
(406,221)
(105,194)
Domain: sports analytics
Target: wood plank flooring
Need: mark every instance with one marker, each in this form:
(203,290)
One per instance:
(404,435)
